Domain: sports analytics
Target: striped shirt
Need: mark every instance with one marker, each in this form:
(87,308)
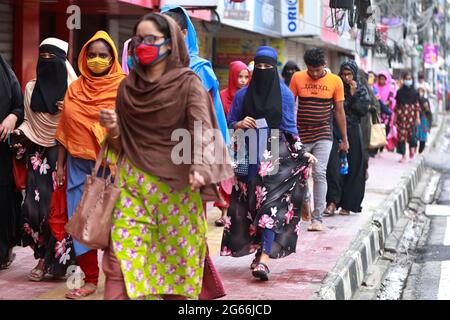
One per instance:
(315,104)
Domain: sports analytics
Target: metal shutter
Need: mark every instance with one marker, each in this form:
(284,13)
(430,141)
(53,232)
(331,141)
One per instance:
(7,32)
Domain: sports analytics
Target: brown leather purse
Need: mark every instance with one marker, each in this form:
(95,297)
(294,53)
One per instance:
(91,222)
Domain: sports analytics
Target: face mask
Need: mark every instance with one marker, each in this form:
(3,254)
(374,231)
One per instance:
(148,54)
(408,83)
(130,63)
(99,65)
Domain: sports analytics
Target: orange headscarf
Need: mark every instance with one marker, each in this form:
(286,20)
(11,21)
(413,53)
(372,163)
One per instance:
(79,130)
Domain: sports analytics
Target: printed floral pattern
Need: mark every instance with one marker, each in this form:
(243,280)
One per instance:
(41,183)
(406,120)
(158,237)
(269,201)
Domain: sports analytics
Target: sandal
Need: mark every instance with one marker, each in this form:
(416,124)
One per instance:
(315,226)
(330,210)
(261,271)
(344,212)
(36,275)
(219,222)
(255,261)
(80,292)
(7,264)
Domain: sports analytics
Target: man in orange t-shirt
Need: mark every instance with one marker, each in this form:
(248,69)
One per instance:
(318,91)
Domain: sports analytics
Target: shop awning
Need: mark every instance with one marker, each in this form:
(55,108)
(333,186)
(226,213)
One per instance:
(112,7)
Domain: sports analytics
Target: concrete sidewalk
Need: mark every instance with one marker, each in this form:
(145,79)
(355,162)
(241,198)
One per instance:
(332,264)
(300,275)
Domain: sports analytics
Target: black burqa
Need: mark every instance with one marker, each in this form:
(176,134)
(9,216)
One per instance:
(11,102)
(347,191)
(51,86)
(279,195)
(263,96)
(51,81)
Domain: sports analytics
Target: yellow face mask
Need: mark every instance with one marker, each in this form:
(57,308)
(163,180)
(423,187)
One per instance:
(99,65)
(371,79)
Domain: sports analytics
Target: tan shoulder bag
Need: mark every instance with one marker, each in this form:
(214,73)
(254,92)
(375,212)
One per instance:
(92,220)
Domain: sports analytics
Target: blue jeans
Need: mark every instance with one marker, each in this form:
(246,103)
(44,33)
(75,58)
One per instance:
(268,236)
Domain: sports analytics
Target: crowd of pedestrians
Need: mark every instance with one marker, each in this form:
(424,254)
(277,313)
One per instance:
(274,129)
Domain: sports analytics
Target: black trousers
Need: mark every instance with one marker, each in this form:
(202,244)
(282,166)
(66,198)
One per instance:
(401,146)
(422,145)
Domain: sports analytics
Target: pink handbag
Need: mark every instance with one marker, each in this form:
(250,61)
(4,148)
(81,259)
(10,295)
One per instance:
(392,139)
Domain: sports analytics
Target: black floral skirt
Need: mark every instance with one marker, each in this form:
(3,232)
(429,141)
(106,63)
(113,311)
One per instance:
(270,200)
(41,182)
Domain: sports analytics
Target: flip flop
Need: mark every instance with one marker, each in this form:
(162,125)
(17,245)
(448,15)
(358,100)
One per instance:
(344,212)
(36,275)
(8,263)
(261,271)
(329,211)
(219,222)
(255,261)
(80,293)
(315,226)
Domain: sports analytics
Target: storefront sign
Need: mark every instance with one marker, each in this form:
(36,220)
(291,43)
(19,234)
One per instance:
(191,3)
(294,20)
(430,55)
(143,3)
(236,14)
(267,17)
(261,16)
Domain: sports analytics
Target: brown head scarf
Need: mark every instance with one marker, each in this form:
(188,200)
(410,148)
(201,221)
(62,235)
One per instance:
(149,112)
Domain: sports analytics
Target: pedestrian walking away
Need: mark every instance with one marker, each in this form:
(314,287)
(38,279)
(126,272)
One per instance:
(346,191)
(35,138)
(318,91)
(158,239)
(80,135)
(264,213)
(11,115)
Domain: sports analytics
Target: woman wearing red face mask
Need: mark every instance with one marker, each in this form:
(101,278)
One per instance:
(158,240)
(238,78)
